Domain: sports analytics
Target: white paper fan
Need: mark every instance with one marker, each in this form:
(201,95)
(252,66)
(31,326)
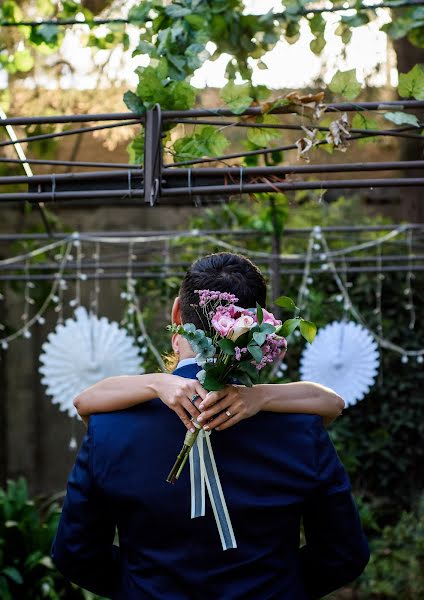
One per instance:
(81,352)
(344,357)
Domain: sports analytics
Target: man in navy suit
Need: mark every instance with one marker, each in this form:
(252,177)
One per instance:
(276,470)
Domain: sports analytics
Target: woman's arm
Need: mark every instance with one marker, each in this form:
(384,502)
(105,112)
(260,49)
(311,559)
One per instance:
(243,402)
(124,391)
(116,393)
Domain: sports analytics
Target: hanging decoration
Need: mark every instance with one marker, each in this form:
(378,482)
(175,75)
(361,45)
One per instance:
(81,352)
(344,357)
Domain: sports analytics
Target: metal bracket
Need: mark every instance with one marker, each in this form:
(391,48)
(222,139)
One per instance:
(152,155)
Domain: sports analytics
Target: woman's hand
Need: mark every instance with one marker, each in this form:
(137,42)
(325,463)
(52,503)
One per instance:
(228,406)
(177,393)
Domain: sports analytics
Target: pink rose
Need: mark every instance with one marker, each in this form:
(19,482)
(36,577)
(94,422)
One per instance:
(269,318)
(242,325)
(222,323)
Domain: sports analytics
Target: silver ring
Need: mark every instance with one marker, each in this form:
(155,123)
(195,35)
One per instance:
(227,412)
(194,398)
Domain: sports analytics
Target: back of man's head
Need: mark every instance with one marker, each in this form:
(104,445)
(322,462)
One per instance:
(222,272)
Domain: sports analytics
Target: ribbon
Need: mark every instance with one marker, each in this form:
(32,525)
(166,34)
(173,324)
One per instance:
(203,471)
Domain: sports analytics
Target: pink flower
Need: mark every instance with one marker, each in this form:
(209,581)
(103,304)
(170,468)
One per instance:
(223,323)
(242,325)
(269,318)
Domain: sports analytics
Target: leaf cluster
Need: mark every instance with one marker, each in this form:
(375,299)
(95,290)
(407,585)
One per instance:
(26,535)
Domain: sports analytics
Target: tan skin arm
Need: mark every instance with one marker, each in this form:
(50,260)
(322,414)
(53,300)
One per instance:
(117,393)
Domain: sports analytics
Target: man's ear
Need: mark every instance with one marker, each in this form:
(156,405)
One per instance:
(176,311)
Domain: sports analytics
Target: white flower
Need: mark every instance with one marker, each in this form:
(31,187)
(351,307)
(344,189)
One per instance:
(242,325)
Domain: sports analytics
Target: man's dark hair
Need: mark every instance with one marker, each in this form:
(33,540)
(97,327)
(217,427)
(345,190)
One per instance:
(222,272)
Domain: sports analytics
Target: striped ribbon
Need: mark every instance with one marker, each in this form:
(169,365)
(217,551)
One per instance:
(203,471)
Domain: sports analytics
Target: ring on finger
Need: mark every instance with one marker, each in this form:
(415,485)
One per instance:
(228,413)
(194,398)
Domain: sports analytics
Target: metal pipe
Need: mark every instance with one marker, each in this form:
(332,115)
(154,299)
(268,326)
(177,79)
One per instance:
(170,115)
(48,136)
(176,193)
(232,171)
(70,163)
(304,185)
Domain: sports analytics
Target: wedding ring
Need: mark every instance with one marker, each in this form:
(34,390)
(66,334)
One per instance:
(227,412)
(194,398)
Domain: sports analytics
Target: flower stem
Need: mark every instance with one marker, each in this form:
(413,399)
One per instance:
(176,470)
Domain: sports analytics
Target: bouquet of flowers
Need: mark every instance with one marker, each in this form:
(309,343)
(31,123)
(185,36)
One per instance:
(236,344)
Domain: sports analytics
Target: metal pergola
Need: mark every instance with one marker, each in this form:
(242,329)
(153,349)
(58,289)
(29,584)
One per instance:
(184,182)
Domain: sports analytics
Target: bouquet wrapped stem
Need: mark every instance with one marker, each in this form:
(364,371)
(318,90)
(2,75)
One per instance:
(189,441)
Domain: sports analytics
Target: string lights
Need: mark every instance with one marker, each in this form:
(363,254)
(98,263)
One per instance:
(318,252)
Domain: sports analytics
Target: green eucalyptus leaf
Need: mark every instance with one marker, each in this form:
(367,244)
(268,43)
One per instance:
(345,84)
(259,337)
(255,351)
(267,328)
(308,330)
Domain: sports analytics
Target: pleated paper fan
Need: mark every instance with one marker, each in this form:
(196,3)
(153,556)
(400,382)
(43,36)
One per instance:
(344,356)
(81,352)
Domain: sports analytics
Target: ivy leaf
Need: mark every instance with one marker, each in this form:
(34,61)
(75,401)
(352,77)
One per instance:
(139,13)
(317,24)
(236,97)
(175,11)
(401,118)
(285,302)
(318,44)
(288,327)
(360,121)
(344,83)
(227,346)
(23,61)
(136,150)
(196,21)
(411,84)
(308,330)
(134,103)
(181,95)
(208,141)
(48,32)
(261,136)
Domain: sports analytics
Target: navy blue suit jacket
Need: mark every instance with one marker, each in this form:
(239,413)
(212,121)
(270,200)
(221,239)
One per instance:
(275,469)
